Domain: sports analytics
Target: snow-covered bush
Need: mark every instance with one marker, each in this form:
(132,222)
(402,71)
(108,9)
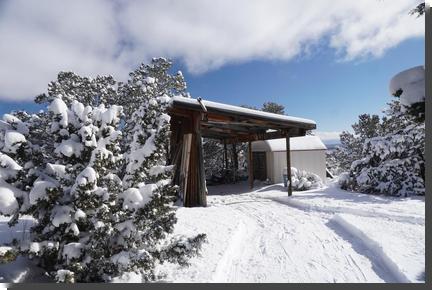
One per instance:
(303,180)
(103,205)
(393,163)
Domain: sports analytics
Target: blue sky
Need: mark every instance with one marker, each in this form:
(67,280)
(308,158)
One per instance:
(331,92)
(327,60)
(319,87)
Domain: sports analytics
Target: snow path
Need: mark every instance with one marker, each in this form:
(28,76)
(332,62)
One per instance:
(264,236)
(377,254)
(325,235)
(274,244)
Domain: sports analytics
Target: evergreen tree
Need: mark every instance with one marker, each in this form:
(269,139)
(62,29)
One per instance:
(420,9)
(393,162)
(351,147)
(273,107)
(102,208)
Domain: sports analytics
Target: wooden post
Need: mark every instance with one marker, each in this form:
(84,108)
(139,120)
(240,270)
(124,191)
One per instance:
(225,155)
(250,164)
(233,163)
(288,154)
(196,191)
(184,169)
(202,197)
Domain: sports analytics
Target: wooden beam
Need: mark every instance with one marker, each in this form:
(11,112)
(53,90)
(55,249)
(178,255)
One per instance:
(288,154)
(196,190)
(225,155)
(234,161)
(250,165)
(263,136)
(184,169)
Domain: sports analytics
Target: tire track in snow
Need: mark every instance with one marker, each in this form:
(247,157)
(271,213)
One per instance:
(374,251)
(383,265)
(224,267)
(355,211)
(278,227)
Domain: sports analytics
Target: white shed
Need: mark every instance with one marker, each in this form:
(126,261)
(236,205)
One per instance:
(307,153)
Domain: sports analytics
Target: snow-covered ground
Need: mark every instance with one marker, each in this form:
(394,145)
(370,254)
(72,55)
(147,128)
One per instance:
(325,235)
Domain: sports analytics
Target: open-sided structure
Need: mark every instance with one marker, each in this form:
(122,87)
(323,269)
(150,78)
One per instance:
(192,119)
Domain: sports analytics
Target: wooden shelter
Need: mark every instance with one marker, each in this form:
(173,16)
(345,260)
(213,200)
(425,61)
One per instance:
(192,119)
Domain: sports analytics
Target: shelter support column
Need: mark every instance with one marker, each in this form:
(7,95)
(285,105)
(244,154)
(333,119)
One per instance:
(234,159)
(288,159)
(250,165)
(196,191)
(225,155)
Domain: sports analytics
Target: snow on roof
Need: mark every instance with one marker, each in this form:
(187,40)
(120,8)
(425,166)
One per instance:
(412,83)
(296,144)
(241,110)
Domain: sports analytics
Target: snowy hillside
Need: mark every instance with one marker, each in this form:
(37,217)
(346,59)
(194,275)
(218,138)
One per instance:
(325,235)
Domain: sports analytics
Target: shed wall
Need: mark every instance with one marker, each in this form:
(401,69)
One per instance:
(312,161)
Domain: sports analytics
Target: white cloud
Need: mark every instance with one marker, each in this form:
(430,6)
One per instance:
(40,38)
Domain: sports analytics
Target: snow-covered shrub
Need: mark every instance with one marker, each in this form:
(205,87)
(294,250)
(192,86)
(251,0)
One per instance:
(393,162)
(103,205)
(303,180)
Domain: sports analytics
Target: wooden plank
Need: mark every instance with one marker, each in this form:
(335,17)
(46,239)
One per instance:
(196,190)
(184,171)
(202,188)
(288,154)
(250,165)
(234,161)
(225,154)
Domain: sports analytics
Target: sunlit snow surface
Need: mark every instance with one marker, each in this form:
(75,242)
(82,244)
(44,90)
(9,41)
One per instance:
(325,235)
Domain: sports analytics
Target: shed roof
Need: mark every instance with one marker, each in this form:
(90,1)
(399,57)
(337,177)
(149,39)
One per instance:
(296,144)
(238,124)
(214,106)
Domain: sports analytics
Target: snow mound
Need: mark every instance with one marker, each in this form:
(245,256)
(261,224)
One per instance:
(61,214)
(134,198)
(58,107)
(12,141)
(56,170)
(8,202)
(70,148)
(72,251)
(38,192)
(8,167)
(412,84)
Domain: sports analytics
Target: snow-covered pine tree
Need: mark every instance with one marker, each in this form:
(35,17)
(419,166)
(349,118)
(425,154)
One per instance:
(74,198)
(20,157)
(90,226)
(273,107)
(393,163)
(351,147)
(150,193)
(88,91)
